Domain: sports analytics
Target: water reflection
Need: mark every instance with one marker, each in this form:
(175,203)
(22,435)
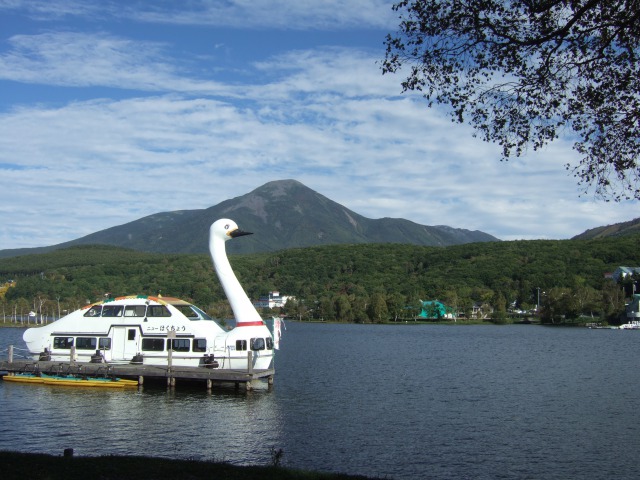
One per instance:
(229,426)
(223,424)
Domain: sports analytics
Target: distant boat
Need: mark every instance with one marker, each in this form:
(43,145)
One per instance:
(148,329)
(632,325)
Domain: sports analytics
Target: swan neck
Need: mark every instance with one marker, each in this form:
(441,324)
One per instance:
(243,310)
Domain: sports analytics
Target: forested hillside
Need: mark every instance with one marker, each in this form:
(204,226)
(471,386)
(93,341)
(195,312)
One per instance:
(373,282)
(631,227)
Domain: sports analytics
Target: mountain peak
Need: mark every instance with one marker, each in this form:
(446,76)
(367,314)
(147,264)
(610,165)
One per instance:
(282,214)
(279,187)
(272,199)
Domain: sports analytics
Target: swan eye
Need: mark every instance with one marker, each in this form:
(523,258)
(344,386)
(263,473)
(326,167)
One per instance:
(226,227)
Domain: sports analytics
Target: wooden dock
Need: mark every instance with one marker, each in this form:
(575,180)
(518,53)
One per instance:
(169,374)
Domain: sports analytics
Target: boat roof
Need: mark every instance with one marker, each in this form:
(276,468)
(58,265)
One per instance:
(159,299)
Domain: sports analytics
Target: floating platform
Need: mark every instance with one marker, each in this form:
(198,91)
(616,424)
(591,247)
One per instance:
(131,373)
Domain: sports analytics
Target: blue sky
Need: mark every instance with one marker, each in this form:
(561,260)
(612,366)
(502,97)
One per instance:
(114,110)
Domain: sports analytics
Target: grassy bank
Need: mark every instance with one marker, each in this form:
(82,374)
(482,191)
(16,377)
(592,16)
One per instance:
(21,466)
(13,324)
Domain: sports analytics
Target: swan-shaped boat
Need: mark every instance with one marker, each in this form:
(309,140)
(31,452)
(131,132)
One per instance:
(148,330)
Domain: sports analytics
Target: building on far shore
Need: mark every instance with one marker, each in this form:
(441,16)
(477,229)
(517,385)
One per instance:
(272,300)
(623,272)
(633,308)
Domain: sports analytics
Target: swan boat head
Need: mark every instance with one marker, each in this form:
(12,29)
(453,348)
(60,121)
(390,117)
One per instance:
(220,232)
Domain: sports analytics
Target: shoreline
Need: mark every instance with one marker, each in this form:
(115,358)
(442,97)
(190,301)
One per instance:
(20,465)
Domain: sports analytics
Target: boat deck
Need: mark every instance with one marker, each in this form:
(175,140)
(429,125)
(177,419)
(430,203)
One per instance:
(171,375)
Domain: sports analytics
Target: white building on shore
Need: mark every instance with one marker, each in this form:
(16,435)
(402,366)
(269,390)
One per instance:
(623,272)
(272,300)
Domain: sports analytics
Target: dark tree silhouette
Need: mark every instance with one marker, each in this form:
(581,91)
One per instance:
(524,71)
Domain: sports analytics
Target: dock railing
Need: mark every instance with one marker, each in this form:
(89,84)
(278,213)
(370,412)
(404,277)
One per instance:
(11,352)
(15,362)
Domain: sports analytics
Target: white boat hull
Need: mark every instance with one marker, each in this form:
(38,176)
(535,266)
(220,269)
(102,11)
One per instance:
(108,331)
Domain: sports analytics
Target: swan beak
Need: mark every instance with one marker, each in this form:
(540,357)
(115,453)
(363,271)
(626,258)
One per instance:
(238,233)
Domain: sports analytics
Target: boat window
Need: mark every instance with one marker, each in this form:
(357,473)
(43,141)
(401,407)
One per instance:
(201,313)
(104,343)
(63,342)
(241,345)
(188,312)
(94,311)
(131,334)
(200,345)
(135,310)
(112,311)
(153,344)
(158,311)
(178,345)
(86,343)
(257,344)
(269,343)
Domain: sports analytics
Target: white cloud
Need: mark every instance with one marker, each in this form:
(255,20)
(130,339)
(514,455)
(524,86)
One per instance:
(323,116)
(280,14)
(241,14)
(53,9)
(81,60)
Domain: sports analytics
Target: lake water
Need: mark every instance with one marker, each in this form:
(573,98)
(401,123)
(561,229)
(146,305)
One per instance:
(393,401)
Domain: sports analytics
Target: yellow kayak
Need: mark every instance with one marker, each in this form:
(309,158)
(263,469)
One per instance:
(23,378)
(71,381)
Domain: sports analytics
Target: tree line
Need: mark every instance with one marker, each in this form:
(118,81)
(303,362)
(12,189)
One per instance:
(559,280)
